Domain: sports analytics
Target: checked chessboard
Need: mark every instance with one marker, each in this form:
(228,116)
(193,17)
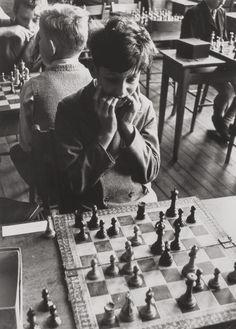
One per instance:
(226,52)
(88,298)
(8,100)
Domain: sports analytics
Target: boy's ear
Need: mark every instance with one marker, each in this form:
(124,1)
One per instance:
(52,47)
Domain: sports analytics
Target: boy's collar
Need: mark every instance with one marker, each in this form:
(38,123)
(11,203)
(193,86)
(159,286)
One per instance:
(64,61)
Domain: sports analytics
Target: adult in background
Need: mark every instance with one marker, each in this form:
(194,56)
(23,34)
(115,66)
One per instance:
(199,22)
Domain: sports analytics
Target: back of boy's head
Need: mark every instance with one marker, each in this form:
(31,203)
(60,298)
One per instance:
(122,45)
(32,4)
(67,26)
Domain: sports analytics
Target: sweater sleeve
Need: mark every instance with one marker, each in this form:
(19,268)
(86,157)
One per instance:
(189,26)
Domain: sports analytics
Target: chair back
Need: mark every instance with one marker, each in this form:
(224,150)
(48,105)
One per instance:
(96,11)
(127,8)
(45,170)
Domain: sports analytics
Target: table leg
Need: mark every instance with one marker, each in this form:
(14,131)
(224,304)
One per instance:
(163,98)
(183,85)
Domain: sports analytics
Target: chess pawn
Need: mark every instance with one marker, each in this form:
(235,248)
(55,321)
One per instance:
(46,302)
(232,275)
(149,311)
(78,218)
(166,259)
(3,79)
(127,313)
(128,254)
(26,74)
(54,319)
(31,318)
(49,232)
(190,267)
(179,220)
(112,270)
(135,280)
(191,218)
(101,233)
(93,274)
(171,212)
(113,229)
(141,211)
(199,283)
(82,235)
(214,282)
(136,239)
(94,221)
(187,300)
(17,77)
(175,245)
(109,318)
(157,247)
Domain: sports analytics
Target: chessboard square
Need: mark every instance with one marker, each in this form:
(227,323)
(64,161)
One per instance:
(207,240)
(198,230)
(154,215)
(85,249)
(181,258)
(117,285)
(214,252)
(138,295)
(177,288)
(222,282)
(141,251)
(103,245)
(97,288)
(187,310)
(224,296)
(15,106)
(206,300)
(118,244)
(232,288)
(125,220)
(119,299)
(99,302)
(168,235)
(146,227)
(202,256)
(223,264)
(3,102)
(149,238)
(147,265)
(152,278)
(82,242)
(161,292)
(104,326)
(171,274)
(188,243)
(104,257)
(86,259)
(14,97)
(186,233)
(206,267)
(168,308)
(128,230)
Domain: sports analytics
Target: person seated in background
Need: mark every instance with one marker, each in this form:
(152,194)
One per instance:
(199,22)
(108,149)
(63,34)
(18,35)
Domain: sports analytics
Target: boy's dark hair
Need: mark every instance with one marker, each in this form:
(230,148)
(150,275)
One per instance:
(122,45)
(27,3)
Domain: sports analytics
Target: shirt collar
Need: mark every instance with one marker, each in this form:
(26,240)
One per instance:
(64,61)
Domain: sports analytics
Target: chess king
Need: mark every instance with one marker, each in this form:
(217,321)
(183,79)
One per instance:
(199,22)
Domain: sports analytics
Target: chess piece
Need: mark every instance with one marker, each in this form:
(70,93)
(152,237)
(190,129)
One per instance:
(109,318)
(190,267)
(82,235)
(26,74)
(191,218)
(135,280)
(78,218)
(180,218)
(112,269)
(187,300)
(113,229)
(175,245)
(128,252)
(54,319)
(101,233)
(232,275)
(158,247)
(49,232)
(93,274)
(127,313)
(22,66)
(46,302)
(31,319)
(141,211)
(231,38)
(3,79)
(94,221)
(171,212)
(128,268)
(149,311)
(12,90)
(214,282)
(136,239)
(199,283)
(166,259)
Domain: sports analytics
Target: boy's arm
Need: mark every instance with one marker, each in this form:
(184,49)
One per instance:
(189,26)
(81,164)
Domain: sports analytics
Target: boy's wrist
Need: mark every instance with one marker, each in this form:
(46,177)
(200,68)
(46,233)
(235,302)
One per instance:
(127,132)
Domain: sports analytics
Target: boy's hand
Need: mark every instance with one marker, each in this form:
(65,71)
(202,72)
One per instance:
(105,109)
(20,31)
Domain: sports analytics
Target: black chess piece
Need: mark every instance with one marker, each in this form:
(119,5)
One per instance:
(190,266)
(199,283)
(135,280)
(141,211)
(136,240)
(82,235)
(54,319)
(32,320)
(94,221)
(191,218)
(214,283)
(187,301)
(93,274)
(171,211)
(113,229)
(101,233)
(46,302)
(78,218)
(127,313)
(180,218)
(109,317)
(232,275)
(158,247)
(112,269)
(166,259)
(149,311)
(175,244)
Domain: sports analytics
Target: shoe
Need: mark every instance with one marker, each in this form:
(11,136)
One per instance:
(221,128)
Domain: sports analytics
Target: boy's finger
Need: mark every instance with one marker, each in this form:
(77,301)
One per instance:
(97,94)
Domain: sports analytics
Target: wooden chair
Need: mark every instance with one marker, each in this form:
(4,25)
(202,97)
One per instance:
(97,11)
(232,131)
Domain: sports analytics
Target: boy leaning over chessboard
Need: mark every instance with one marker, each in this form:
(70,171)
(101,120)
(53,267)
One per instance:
(63,34)
(107,132)
(200,22)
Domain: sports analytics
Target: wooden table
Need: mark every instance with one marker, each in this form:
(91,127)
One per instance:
(186,72)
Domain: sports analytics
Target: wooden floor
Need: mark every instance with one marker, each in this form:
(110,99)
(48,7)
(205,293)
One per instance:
(199,171)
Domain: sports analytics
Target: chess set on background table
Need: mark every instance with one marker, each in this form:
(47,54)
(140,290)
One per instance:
(140,268)
(225,50)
